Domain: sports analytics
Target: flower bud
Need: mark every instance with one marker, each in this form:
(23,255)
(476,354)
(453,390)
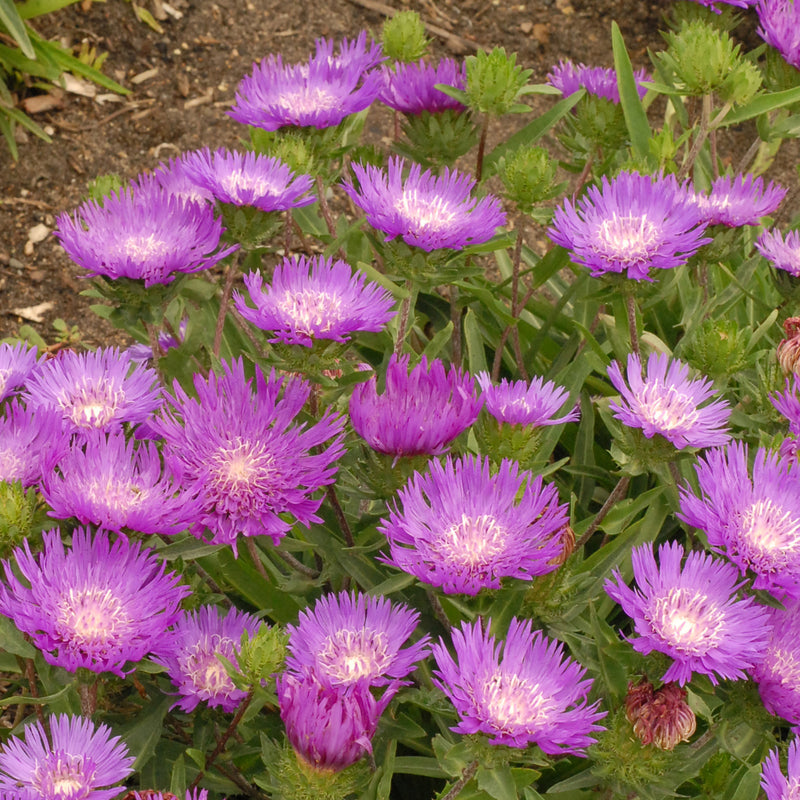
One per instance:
(528,175)
(661,718)
(404,37)
(789,348)
(495,82)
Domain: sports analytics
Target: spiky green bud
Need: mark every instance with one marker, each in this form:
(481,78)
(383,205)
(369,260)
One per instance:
(18,508)
(404,37)
(528,175)
(495,83)
(742,84)
(437,140)
(718,348)
(262,655)
(103,186)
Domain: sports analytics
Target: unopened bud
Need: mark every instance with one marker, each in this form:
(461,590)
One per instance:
(664,719)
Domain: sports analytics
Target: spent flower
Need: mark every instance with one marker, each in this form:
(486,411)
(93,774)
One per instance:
(97,605)
(520,691)
(314,298)
(463,528)
(691,613)
(428,211)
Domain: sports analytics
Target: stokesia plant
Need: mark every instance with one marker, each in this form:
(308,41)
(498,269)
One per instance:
(419,482)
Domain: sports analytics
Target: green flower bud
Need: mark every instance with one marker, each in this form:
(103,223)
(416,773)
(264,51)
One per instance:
(528,175)
(701,57)
(103,186)
(404,37)
(262,656)
(718,348)
(17,512)
(437,140)
(741,85)
(495,83)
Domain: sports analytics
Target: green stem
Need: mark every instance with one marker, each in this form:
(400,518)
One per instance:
(406,310)
(630,306)
(466,776)
(227,290)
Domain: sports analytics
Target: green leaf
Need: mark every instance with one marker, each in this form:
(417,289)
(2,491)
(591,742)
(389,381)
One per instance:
(497,782)
(476,352)
(632,108)
(11,19)
(762,105)
(143,735)
(12,640)
(37,8)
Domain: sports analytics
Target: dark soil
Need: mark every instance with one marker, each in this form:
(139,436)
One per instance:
(183,81)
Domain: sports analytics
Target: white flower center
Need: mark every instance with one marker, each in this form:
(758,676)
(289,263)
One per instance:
(687,620)
(63,776)
(628,238)
(512,702)
(206,672)
(310,311)
(352,654)
(242,473)
(236,184)
(666,408)
(425,212)
(11,465)
(473,542)
(144,248)
(769,529)
(308,100)
(92,406)
(91,618)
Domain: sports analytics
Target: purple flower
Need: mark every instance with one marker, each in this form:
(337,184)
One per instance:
(782,253)
(111,483)
(775,784)
(411,88)
(667,402)
(190,651)
(712,4)
(522,403)
(17,363)
(463,526)
(166,341)
(174,179)
(420,412)
(349,639)
(691,613)
(240,442)
(194,794)
(777,672)
(315,298)
(568,77)
(631,225)
(31,442)
(519,691)
(144,233)
(318,94)
(80,761)
(755,522)
(738,201)
(427,211)
(788,404)
(248,179)
(329,728)
(95,390)
(97,605)
(780,27)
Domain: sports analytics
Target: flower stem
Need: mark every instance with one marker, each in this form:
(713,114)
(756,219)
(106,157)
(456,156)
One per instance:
(252,548)
(630,306)
(297,564)
(340,517)
(406,309)
(225,736)
(325,210)
(438,611)
(88,696)
(481,149)
(617,493)
(227,290)
(466,776)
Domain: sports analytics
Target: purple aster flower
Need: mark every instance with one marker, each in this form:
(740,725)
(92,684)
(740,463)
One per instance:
(568,77)
(329,728)
(420,412)
(318,94)
(175,179)
(31,442)
(349,639)
(630,225)
(240,441)
(463,526)
(522,403)
(248,179)
(17,363)
(115,484)
(712,4)
(666,401)
(74,763)
(691,613)
(755,522)
(95,390)
(97,605)
(738,201)
(427,211)
(780,27)
(411,88)
(150,794)
(783,253)
(788,403)
(144,233)
(777,672)
(190,651)
(519,691)
(775,784)
(166,341)
(315,298)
